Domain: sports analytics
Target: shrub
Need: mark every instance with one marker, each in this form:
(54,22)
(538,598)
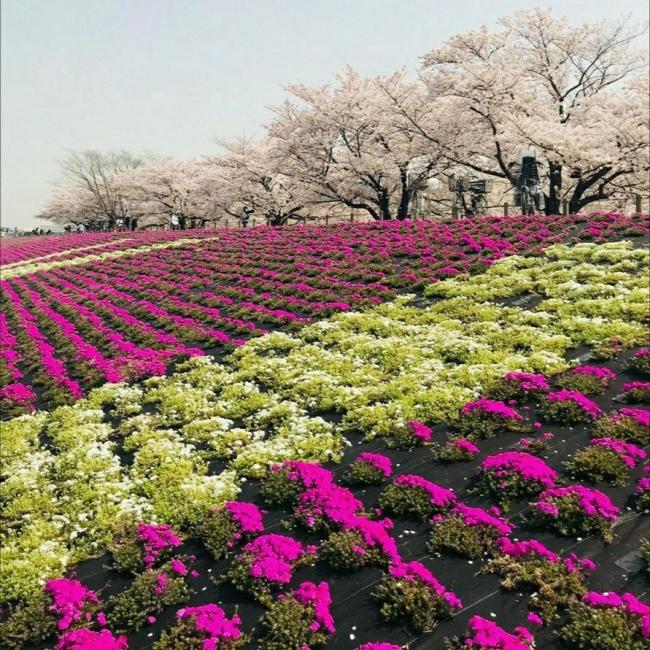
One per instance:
(605,459)
(467,531)
(557,583)
(142,546)
(198,628)
(575,510)
(642,490)
(83,638)
(226,526)
(631,425)
(512,475)
(149,594)
(487,635)
(284,483)
(590,380)
(300,619)
(569,407)
(455,451)
(267,563)
(536,446)
(608,622)
(28,624)
(411,592)
(326,507)
(641,361)
(412,496)
(518,385)
(486,418)
(637,391)
(369,469)
(409,435)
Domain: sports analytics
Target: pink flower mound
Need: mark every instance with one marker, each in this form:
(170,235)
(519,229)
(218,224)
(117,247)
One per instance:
(156,539)
(84,639)
(592,502)
(636,385)
(212,621)
(528,547)
(381,462)
(419,430)
(272,557)
(591,408)
(246,515)
(439,496)
(642,485)
(573,563)
(526,465)
(643,352)
(487,635)
(309,474)
(69,600)
(319,597)
(627,602)
(640,415)
(411,571)
(375,534)
(18,393)
(528,380)
(491,407)
(178,567)
(630,454)
(466,446)
(378,646)
(333,503)
(480,517)
(604,374)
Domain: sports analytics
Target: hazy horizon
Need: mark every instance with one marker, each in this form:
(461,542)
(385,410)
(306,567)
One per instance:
(169,76)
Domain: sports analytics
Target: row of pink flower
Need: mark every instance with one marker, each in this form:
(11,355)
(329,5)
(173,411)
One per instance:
(535,548)
(529,467)
(57,247)
(630,454)
(528,381)
(51,365)
(491,407)
(627,602)
(592,502)
(576,397)
(416,571)
(272,557)
(378,461)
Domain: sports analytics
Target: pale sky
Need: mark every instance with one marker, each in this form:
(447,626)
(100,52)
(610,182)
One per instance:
(168,76)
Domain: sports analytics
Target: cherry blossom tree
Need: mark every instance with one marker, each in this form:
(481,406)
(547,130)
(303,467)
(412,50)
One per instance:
(92,174)
(572,93)
(156,191)
(346,146)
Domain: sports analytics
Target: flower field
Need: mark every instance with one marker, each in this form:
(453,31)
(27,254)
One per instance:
(356,436)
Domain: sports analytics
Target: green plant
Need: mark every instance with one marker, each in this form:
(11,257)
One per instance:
(27,624)
(288,624)
(592,628)
(594,464)
(453,534)
(149,594)
(346,550)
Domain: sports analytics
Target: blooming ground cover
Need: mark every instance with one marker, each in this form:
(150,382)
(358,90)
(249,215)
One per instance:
(402,544)
(78,317)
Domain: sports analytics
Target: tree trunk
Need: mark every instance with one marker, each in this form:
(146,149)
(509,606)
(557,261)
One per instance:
(384,205)
(405,198)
